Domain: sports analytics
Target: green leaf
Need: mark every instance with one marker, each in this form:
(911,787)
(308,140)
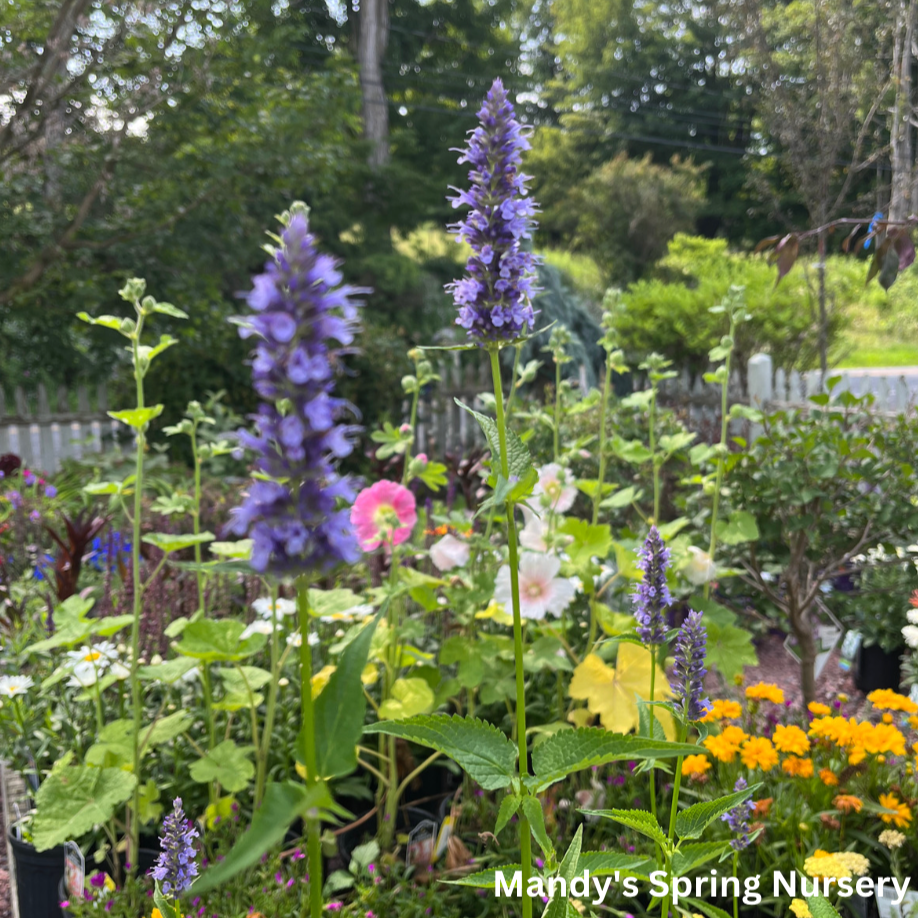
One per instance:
(244,678)
(588,540)
(167,673)
(281,806)
(341,707)
(821,908)
(112,322)
(607,863)
(557,908)
(573,750)
(532,810)
(73,799)
(691,822)
(623,498)
(712,911)
(323,603)
(730,649)
(137,417)
(508,808)
(486,879)
(213,641)
(632,451)
(688,857)
(167,309)
(640,820)
(240,550)
(165,729)
(167,542)
(226,763)
(738,528)
(111,624)
(480,748)
(519,459)
(671,443)
(98,488)
(409,697)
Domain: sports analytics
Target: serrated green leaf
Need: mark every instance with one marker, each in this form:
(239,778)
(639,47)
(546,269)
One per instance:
(508,808)
(532,810)
(168,542)
(821,908)
(712,911)
(215,641)
(486,879)
(73,799)
(137,417)
(730,649)
(640,820)
(167,309)
(688,857)
(607,863)
(573,750)
(226,763)
(480,748)
(558,907)
(691,822)
(519,459)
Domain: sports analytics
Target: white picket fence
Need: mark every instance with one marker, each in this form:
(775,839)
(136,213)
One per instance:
(43,433)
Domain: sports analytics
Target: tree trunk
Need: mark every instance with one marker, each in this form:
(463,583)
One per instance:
(806,644)
(902,156)
(371,47)
(823,315)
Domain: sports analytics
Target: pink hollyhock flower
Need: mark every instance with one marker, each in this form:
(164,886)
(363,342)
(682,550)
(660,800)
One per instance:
(449,552)
(541,589)
(554,489)
(532,535)
(384,513)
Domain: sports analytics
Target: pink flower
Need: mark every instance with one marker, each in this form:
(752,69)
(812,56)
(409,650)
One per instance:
(532,535)
(554,489)
(449,552)
(422,458)
(541,589)
(382,514)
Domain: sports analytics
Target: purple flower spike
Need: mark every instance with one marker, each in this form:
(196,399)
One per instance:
(738,818)
(652,597)
(689,671)
(305,319)
(176,868)
(494,297)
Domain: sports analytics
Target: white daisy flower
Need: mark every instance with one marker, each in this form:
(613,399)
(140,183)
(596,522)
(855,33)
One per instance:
(257,627)
(262,607)
(296,639)
(11,686)
(96,657)
(84,675)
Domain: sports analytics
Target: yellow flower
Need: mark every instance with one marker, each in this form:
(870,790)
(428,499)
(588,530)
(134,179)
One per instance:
(901,815)
(913,722)
(828,777)
(848,803)
(758,752)
(695,765)
(856,863)
(887,718)
(496,611)
(885,738)
(733,734)
(721,748)
(791,739)
(320,680)
(722,709)
(800,909)
(766,691)
(892,839)
(822,864)
(818,708)
(857,755)
(798,768)
(888,700)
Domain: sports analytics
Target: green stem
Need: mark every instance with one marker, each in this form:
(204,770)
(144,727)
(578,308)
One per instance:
(262,766)
(674,809)
(735,886)
(653,458)
(603,410)
(413,422)
(388,749)
(653,679)
(209,717)
(514,375)
(196,518)
(557,434)
(313,827)
(719,477)
(525,835)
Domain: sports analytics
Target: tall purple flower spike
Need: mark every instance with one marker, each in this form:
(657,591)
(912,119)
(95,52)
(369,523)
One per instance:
(738,818)
(176,867)
(305,319)
(688,669)
(494,297)
(652,597)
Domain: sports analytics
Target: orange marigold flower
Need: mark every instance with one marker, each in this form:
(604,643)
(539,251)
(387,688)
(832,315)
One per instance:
(722,709)
(884,738)
(888,700)
(901,815)
(762,807)
(818,708)
(758,752)
(798,768)
(721,748)
(695,765)
(766,691)
(887,718)
(791,739)
(829,778)
(734,734)
(848,803)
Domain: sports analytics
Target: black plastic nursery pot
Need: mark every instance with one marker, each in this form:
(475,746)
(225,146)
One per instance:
(38,875)
(876,668)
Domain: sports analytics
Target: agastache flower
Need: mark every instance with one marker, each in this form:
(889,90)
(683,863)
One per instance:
(689,671)
(652,597)
(304,319)
(738,818)
(494,296)
(176,868)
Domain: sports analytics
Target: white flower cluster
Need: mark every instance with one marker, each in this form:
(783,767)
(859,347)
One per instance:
(910,631)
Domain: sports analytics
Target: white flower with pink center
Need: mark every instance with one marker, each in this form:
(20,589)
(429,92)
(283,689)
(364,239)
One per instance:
(554,488)
(542,591)
(449,552)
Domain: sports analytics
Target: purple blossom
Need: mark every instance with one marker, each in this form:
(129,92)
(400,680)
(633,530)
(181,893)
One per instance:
(738,818)
(688,669)
(652,597)
(494,296)
(304,319)
(175,867)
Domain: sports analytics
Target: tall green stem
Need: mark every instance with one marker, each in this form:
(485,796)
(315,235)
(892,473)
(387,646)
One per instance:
(653,458)
(514,376)
(603,411)
(134,849)
(721,461)
(414,420)
(557,425)
(653,680)
(674,809)
(262,752)
(313,827)
(525,836)
(196,516)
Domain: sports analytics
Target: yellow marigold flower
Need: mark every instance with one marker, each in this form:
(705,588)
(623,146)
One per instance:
(722,709)
(822,864)
(735,735)
(798,768)
(857,755)
(721,748)
(887,718)
(828,777)
(758,752)
(765,691)
(818,708)
(856,863)
(885,738)
(695,765)
(791,739)
(913,722)
(848,803)
(836,729)
(800,909)
(901,815)
(842,697)
(888,700)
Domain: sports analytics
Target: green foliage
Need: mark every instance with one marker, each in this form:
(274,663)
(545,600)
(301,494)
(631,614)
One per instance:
(227,764)
(692,821)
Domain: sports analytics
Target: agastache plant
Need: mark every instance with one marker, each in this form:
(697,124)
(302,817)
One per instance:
(176,866)
(738,821)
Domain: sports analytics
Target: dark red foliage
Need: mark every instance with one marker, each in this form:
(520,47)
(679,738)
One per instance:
(79,533)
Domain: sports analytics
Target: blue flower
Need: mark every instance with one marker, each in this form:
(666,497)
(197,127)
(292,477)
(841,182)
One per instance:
(738,818)
(652,597)
(688,669)
(176,867)
(305,319)
(494,296)
(872,226)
